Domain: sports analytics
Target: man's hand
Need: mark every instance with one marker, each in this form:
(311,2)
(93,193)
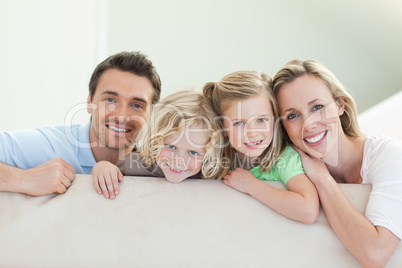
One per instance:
(54,176)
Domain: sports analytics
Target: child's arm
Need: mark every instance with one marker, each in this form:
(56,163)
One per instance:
(105,178)
(299,203)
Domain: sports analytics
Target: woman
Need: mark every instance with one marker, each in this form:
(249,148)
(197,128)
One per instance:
(320,119)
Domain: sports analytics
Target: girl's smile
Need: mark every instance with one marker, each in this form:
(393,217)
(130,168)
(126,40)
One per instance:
(249,124)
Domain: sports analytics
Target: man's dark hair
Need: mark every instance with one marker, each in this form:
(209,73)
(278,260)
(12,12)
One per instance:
(132,62)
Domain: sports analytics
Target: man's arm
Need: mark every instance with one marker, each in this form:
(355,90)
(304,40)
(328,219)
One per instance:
(54,176)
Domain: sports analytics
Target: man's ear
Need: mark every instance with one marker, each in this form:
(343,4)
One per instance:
(89,104)
(341,106)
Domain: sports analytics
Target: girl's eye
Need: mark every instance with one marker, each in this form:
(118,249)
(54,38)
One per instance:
(170,146)
(238,124)
(317,107)
(193,153)
(261,120)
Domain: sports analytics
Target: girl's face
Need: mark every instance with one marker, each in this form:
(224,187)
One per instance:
(249,124)
(311,115)
(183,153)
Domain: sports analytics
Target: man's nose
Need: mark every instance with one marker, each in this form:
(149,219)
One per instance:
(122,113)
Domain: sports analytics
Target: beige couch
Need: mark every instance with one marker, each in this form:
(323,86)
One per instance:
(154,223)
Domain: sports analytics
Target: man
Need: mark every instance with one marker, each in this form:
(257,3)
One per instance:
(122,90)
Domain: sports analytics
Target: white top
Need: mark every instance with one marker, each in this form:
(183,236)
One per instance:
(382,168)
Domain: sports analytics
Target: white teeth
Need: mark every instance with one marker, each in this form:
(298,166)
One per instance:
(178,170)
(118,129)
(253,143)
(316,138)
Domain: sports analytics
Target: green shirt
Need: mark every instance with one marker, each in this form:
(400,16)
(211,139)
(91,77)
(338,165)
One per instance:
(285,168)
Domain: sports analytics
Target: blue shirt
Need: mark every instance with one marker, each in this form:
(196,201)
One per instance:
(31,148)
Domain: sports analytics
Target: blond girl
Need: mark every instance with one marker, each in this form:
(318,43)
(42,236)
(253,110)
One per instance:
(255,149)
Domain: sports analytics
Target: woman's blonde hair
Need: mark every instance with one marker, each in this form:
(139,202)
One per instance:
(239,86)
(297,68)
(185,108)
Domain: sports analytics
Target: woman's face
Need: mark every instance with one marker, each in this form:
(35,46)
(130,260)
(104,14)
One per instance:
(310,115)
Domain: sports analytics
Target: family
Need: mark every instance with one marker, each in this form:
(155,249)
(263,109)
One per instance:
(299,128)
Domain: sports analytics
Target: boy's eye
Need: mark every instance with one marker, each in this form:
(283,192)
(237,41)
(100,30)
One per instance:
(317,107)
(261,120)
(193,153)
(170,146)
(238,124)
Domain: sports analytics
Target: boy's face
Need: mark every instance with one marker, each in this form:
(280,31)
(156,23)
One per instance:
(183,153)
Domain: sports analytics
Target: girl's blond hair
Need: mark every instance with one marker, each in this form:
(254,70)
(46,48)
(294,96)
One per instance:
(185,108)
(238,86)
(297,68)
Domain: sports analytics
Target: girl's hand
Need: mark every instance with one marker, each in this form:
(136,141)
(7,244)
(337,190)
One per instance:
(105,178)
(315,168)
(239,179)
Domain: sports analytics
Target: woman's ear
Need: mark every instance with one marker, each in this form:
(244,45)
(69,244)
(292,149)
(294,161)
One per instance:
(341,106)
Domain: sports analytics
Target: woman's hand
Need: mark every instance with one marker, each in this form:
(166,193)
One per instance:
(315,168)
(105,178)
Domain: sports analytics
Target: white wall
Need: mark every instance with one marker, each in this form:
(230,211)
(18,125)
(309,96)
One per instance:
(192,42)
(50,48)
(383,118)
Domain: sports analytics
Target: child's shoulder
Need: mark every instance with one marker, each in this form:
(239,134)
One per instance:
(289,152)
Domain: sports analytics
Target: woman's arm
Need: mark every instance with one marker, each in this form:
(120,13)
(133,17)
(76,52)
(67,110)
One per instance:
(372,245)
(299,203)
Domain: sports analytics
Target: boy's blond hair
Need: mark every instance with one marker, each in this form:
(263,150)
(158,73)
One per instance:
(185,108)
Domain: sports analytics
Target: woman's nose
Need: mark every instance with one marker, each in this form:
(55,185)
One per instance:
(311,121)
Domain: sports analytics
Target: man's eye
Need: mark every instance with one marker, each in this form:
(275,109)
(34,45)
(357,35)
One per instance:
(136,105)
(317,107)
(109,99)
(170,146)
(238,124)
(193,152)
(261,120)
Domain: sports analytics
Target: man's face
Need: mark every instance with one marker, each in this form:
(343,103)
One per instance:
(120,105)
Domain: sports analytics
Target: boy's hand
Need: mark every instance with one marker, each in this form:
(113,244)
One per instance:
(106,178)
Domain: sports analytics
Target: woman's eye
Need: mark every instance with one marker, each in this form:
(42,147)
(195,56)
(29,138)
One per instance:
(238,124)
(193,153)
(261,120)
(291,116)
(317,107)
(170,146)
